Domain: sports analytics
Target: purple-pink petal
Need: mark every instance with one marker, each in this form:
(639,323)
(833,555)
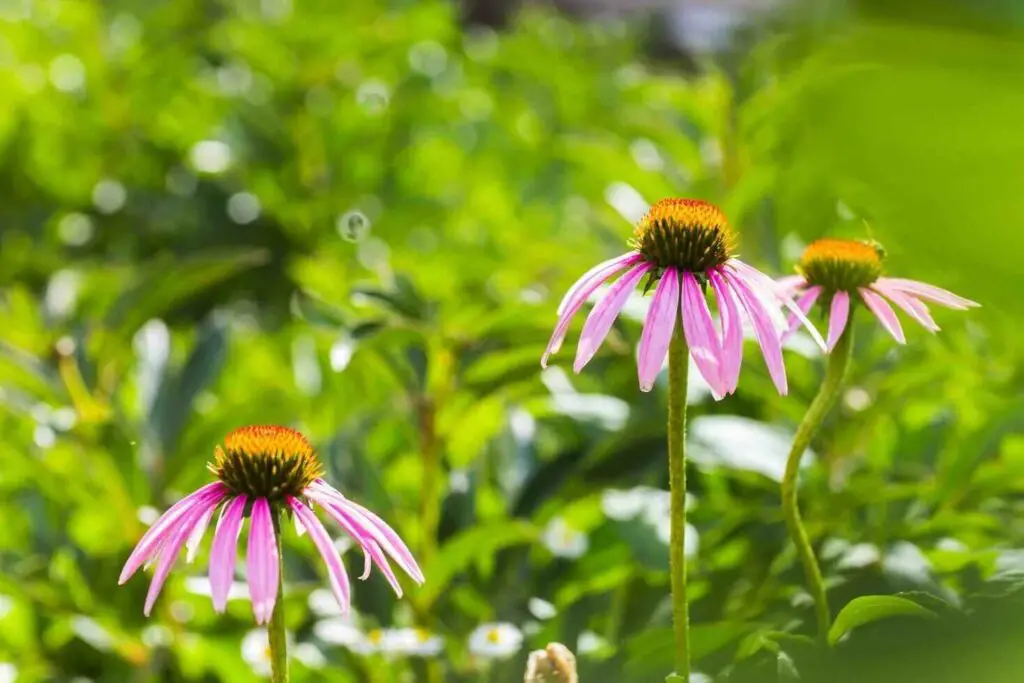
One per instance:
(805,302)
(578,295)
(377,528)
(760,283)
(224,551)
(599,273)
(600,320)
(928,292)
(883,311)
(359,534)
(839,313)
(791,283)
(172,546)
(701,335)
(196,537)
(151,541)
(732,331)
(262,563)
(764,329)
(658,329)
(909,305)
(335,570)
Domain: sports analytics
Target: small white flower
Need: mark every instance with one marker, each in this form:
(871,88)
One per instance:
(339,631)
(256,651)
(310,655)
(541,609)
(495,641)
(563,540)
(589,642)
(413,642)
(8,672)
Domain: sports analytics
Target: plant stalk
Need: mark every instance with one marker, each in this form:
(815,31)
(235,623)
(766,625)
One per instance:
(678,365)
(276,633)
(831,386)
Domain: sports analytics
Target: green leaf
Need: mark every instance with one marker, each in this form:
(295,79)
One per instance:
(869,608)
(164,283)
(458,553)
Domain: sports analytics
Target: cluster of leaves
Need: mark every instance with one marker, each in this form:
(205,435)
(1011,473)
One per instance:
(357,218)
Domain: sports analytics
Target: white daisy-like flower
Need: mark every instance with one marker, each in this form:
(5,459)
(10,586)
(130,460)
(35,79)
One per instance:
(589,642)
(563,540)
(541,609)
(339,631)
(495,640)
(256,651)
(412,642)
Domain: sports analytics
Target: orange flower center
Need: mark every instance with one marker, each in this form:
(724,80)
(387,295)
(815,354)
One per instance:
(687,234)
(841,264)
(266,461)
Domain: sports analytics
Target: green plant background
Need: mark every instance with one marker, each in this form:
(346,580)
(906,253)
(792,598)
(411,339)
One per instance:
(426,193)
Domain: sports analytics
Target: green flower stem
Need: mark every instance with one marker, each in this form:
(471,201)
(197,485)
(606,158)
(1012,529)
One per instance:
(276,629)
(831,386)
(678,365)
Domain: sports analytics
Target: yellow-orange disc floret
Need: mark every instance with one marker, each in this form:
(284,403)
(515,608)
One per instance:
(688,234)
(841,265)
(266,461)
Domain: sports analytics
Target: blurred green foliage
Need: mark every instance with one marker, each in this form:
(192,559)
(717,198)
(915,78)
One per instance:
(357,219)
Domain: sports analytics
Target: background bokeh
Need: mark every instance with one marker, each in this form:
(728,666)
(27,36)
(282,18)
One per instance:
(357,218)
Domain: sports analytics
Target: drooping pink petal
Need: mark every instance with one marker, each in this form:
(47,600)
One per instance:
(909,305)
(701,336)
(805,302)
(600,320)
(335,571)
(365,540)
(599,273)
(196,537)
(262,563)
(839,313)
(769,292)
(377,528)
(578,295)
(764,330)
(658,329)
(732,331)
(883,311)
(151,541)
(791,283)
(928,292)
(224,551)
(172,546)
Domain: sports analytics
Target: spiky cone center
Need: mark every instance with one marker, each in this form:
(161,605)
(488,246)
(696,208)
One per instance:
(687,234)
(841,265)
(266,461)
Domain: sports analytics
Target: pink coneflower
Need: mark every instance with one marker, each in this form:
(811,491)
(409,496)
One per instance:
(264,472)
(686,246)
(841,272)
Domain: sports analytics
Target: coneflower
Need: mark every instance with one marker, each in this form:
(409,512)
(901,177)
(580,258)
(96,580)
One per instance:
(264,473)
(839,275)
(685,250)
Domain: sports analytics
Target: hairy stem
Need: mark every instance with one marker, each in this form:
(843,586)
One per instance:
(809,426)
(678,365)
(276,629)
